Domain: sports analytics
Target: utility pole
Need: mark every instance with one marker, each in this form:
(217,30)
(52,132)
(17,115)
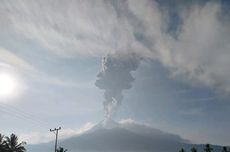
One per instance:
(55,131)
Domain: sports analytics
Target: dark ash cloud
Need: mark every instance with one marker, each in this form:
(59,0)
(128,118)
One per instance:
(115,77)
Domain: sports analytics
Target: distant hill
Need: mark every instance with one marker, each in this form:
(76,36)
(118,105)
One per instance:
(109,136)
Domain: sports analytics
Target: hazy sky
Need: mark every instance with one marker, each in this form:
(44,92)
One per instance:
(53,50)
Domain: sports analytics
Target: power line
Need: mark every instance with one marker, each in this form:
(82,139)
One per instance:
(16,112)
(55,130)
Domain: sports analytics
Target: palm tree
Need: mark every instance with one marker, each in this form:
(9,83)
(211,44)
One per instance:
(193,149)
(61,149)
(182,150)
(2,143)
(208,148)
(12,144)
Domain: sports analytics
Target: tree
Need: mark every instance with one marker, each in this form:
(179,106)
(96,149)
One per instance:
(182,150)
(224,149)
(1,139)
(2,143)
(12,144)
(61,149)
(208,148)
(193,149)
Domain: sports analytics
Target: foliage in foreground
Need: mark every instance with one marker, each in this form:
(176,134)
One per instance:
(207,148)
(11,144)
(61,149)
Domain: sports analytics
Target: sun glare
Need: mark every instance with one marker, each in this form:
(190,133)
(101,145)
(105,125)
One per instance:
(7,85)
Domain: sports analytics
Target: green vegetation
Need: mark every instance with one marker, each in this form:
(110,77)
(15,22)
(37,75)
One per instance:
(225,149)
(11,144)
(182,150)
(207,148)
(193,149)
(61,149)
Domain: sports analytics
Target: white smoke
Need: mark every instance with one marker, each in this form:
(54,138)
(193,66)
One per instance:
(111,107)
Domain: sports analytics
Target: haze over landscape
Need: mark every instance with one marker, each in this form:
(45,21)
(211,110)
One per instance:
(116,75)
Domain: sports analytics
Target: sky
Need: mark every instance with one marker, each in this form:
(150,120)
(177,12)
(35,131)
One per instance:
(167,61)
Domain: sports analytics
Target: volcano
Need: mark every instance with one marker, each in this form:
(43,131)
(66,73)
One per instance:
(129,136)
(126,136)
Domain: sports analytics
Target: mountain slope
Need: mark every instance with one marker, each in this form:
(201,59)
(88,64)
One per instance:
(109,136)
(118,140)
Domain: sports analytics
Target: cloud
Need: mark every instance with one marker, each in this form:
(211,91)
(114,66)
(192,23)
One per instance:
(128,121)
(201,52)
(9,60)
(77,27)
(66,28)
(40,76)
(198,52)
(41,137)
(11,63)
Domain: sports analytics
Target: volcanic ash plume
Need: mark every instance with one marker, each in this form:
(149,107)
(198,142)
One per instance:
(115,77)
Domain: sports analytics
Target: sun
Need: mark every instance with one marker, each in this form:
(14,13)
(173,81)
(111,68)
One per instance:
(7,85)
